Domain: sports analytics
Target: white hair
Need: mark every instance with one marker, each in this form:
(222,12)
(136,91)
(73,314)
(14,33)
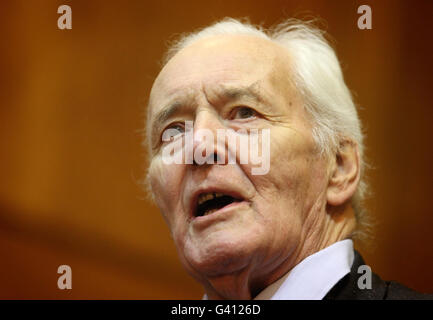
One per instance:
(317,76)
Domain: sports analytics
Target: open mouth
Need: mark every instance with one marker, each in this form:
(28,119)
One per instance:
(209,202)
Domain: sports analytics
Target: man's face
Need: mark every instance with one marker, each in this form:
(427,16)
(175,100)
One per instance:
(236,82)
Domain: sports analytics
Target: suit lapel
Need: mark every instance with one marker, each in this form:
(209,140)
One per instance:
(347,288)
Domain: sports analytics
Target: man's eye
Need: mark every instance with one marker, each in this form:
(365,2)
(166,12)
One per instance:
(172,131)
(244,113)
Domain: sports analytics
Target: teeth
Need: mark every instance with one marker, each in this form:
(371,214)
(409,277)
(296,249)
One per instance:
(204,197)
(208,196)
(210,211)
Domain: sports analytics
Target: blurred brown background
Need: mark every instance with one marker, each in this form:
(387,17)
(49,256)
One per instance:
(72,105)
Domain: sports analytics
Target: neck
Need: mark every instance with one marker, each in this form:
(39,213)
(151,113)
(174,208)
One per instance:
(335,225)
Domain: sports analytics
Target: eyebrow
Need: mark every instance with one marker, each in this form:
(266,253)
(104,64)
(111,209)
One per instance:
(167,112)
(230,93)
(249,92)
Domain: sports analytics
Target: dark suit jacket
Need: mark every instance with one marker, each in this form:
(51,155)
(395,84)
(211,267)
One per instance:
(347,288)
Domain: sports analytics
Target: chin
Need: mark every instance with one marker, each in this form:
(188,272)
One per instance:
(219,255)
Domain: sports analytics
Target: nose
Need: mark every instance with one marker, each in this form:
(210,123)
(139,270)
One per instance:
(208,145)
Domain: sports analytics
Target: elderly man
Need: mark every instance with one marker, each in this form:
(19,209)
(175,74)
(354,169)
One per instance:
(284,232)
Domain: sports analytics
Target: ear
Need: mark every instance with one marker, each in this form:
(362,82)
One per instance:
(344,174)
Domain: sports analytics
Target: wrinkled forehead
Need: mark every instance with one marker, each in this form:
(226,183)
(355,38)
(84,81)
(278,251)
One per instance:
(231,51)
(219,61)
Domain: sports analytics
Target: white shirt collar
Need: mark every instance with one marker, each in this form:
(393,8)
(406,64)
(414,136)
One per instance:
(313,277)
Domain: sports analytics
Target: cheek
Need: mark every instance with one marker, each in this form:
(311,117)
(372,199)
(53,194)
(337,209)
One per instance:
(295,175)
(165,181)
(287,166)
